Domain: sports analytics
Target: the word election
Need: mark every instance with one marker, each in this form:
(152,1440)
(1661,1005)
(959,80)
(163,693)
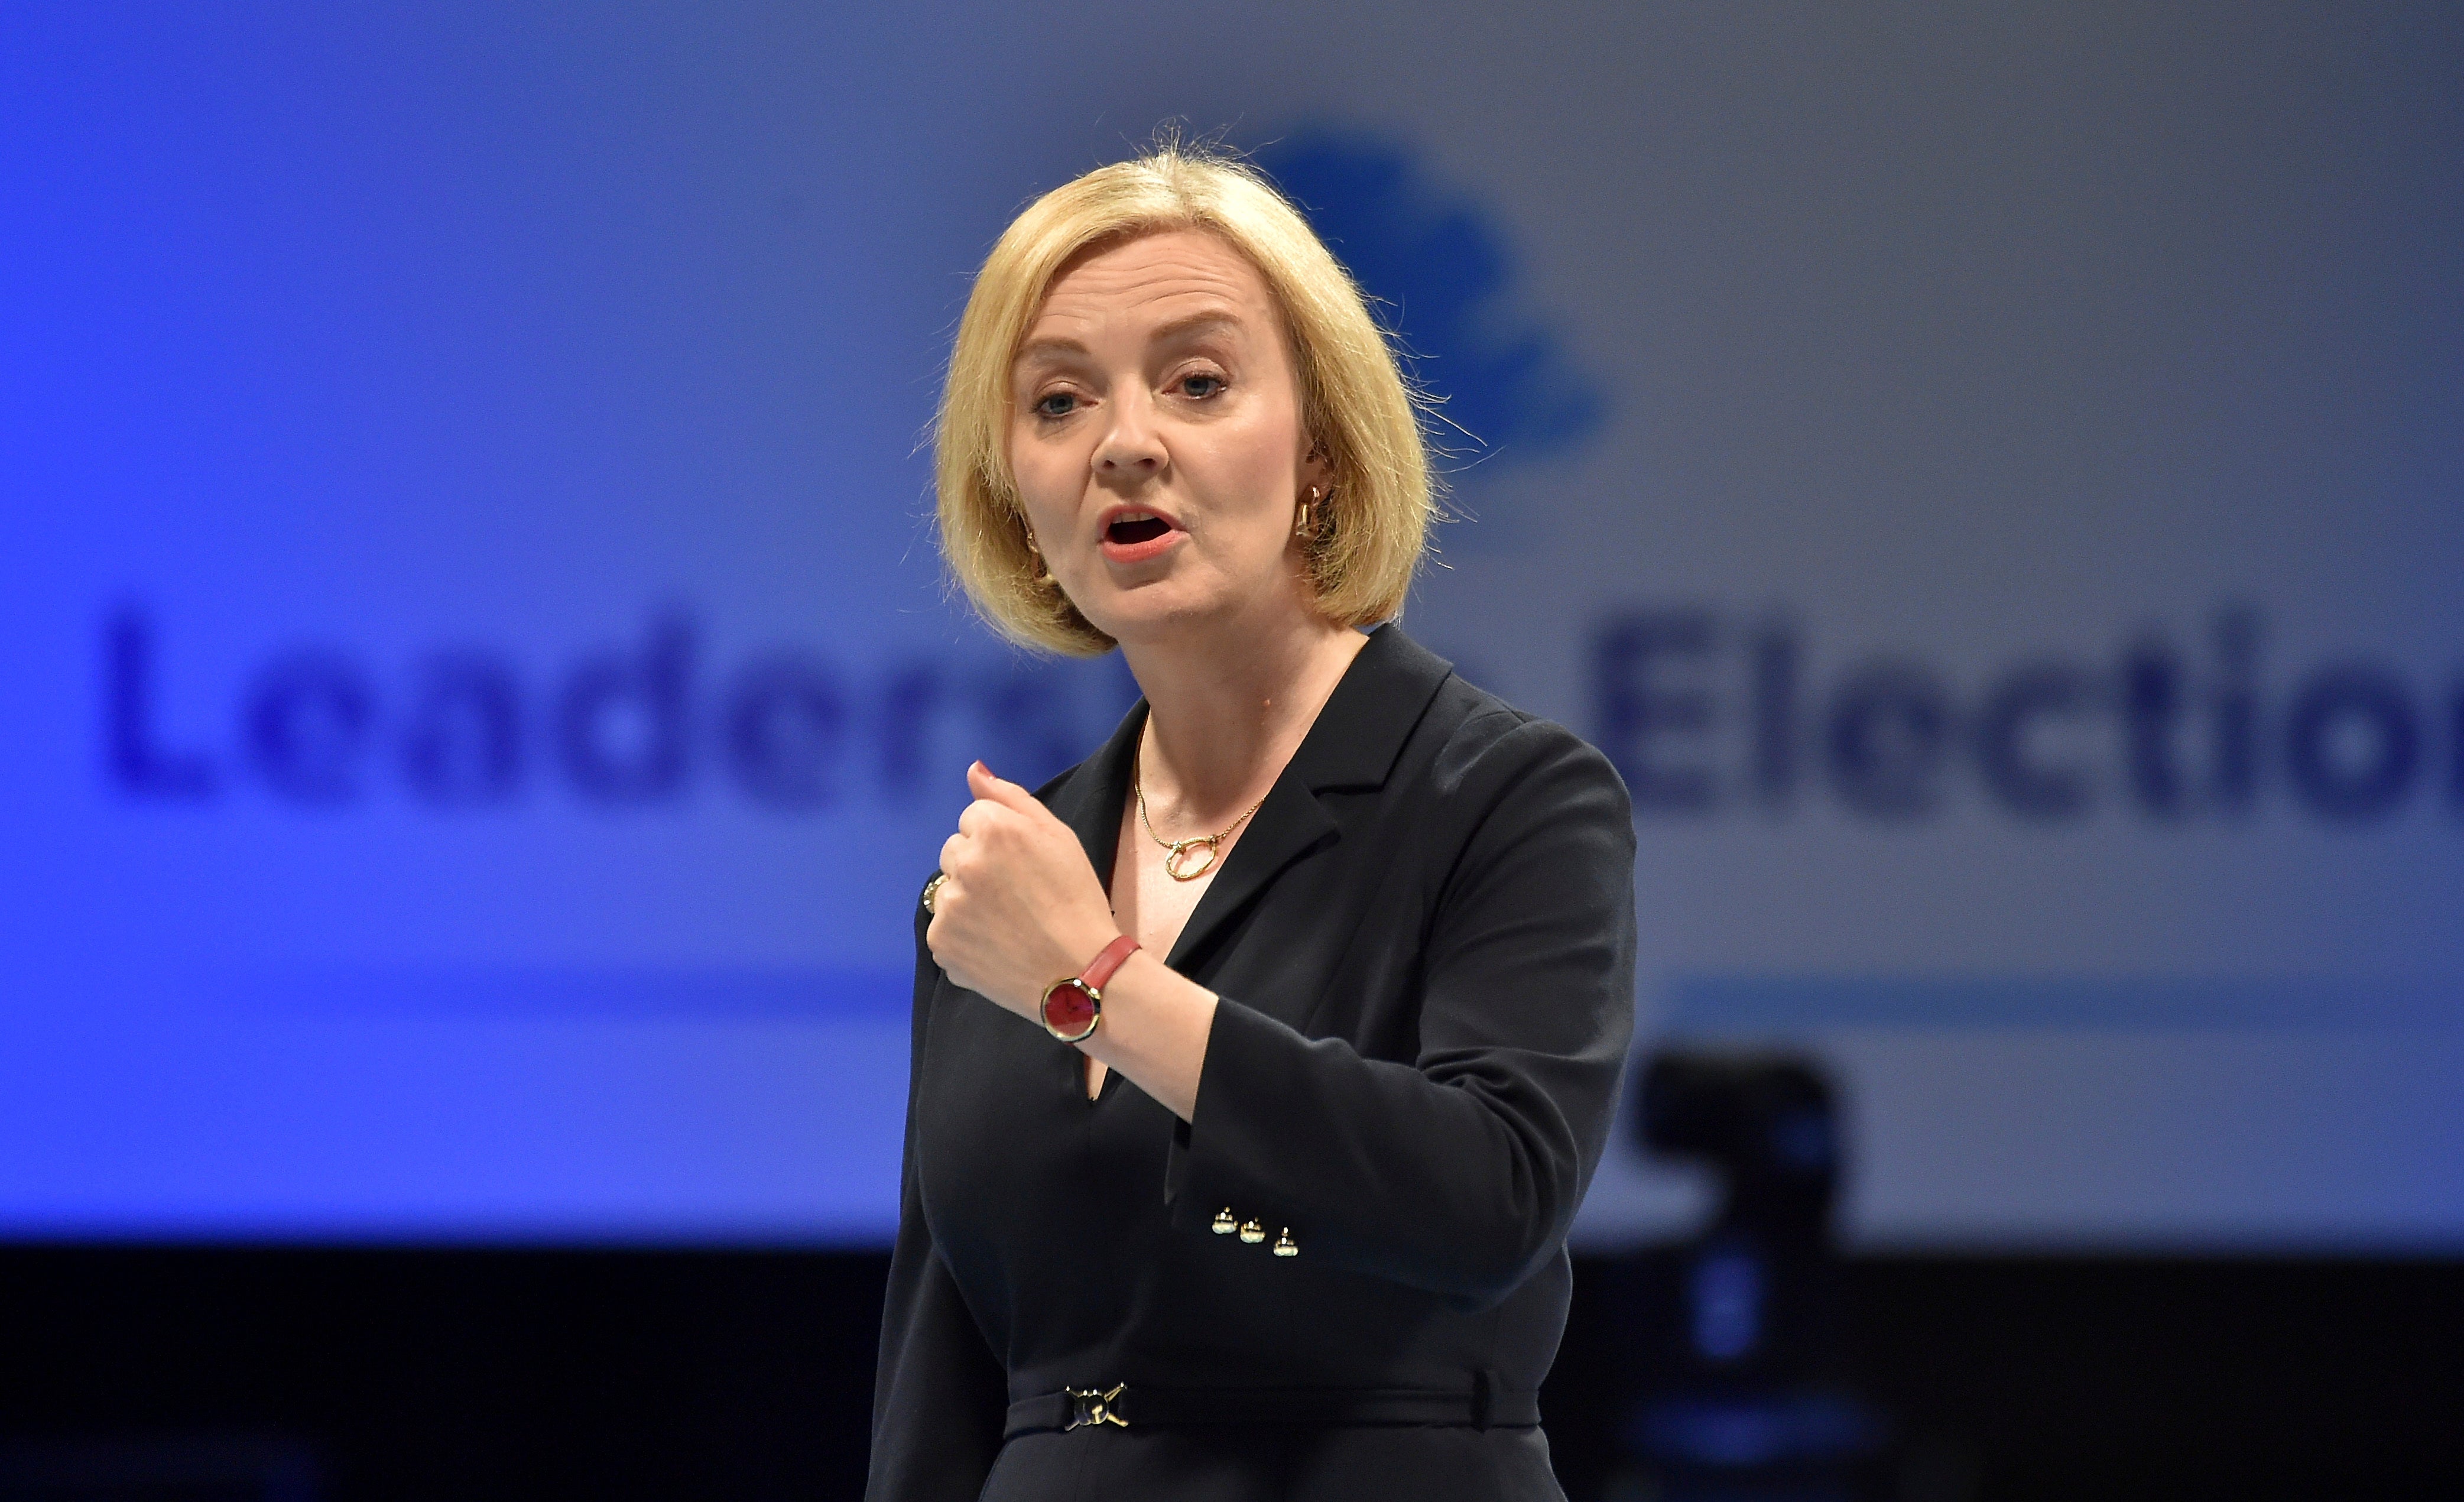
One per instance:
(1702,712)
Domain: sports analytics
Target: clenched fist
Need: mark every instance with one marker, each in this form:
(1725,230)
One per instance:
(1019,907)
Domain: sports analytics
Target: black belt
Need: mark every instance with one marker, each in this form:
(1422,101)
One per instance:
(1482,1404)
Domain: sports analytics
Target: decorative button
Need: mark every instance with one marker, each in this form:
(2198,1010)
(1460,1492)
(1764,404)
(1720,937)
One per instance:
(1224,1223)
(1285,1246)
(1252,1232)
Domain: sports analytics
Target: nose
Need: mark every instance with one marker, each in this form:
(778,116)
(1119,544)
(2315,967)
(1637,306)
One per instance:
(1133,448)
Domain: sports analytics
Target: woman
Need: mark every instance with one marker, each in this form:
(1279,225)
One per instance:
(1260,1060)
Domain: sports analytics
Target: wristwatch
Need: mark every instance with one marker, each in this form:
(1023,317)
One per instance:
(1074,1003)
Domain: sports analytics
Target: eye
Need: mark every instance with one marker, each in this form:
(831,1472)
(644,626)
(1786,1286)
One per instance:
(1055,403)
(1200,386)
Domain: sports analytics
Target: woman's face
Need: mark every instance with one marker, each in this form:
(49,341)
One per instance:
(1156,440)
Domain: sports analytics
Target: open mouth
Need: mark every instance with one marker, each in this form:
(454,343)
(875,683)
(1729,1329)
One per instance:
(1129,530)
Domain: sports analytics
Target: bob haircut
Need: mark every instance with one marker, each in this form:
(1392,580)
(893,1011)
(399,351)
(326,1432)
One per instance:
(1355,404)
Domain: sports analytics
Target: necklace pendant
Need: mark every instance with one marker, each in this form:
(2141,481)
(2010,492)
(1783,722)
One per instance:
(1180,851)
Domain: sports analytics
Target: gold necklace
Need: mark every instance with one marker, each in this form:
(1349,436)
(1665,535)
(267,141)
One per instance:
(1175,852)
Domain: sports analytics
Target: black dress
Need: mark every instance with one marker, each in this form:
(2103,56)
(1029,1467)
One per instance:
(1425,945)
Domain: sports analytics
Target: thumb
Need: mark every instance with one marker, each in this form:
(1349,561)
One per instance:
(981,783)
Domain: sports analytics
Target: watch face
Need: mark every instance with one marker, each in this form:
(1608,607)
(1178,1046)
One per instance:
(1069,1012)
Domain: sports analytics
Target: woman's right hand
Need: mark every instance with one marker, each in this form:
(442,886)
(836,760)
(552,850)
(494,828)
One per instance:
(1019,907)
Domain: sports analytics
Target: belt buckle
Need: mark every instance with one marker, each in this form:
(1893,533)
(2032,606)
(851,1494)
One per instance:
(1089,1405)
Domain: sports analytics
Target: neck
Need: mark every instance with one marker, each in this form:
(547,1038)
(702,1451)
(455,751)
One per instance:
(1227,710)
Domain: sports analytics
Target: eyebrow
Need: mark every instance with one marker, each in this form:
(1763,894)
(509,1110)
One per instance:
(1179,328)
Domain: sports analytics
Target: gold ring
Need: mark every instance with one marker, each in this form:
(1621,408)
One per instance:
(932,889)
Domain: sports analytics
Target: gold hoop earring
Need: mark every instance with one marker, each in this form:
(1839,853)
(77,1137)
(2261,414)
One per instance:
(1044,570)
(1301,528)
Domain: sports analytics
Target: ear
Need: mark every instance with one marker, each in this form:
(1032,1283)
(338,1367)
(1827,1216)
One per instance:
(1316,470)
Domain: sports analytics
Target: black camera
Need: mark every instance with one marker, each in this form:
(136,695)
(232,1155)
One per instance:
(1741,1393)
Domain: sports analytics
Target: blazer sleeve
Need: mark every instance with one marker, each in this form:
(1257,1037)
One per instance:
(940,1394)
(1458,1171)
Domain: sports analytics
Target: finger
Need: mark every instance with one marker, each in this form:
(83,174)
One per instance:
(1010,795)
(951,850)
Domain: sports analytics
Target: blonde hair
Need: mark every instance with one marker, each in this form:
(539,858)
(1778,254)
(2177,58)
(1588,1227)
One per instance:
(1367,534)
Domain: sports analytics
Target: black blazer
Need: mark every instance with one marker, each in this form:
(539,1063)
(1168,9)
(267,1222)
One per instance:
(1424,947)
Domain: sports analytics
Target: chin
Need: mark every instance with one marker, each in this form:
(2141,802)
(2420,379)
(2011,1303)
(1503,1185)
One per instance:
(1160,609)
(1157,614)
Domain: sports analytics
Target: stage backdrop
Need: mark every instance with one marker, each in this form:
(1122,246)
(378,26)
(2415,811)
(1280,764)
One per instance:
(482,697)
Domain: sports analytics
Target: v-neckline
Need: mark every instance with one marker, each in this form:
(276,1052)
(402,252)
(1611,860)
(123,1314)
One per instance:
(1350,742)
(1126,831)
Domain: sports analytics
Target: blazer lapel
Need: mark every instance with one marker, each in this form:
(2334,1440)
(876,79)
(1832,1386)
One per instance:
(1353,743)
(1088,799)
(1286,825)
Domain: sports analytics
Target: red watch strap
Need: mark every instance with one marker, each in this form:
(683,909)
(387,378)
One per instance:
(1100,968)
